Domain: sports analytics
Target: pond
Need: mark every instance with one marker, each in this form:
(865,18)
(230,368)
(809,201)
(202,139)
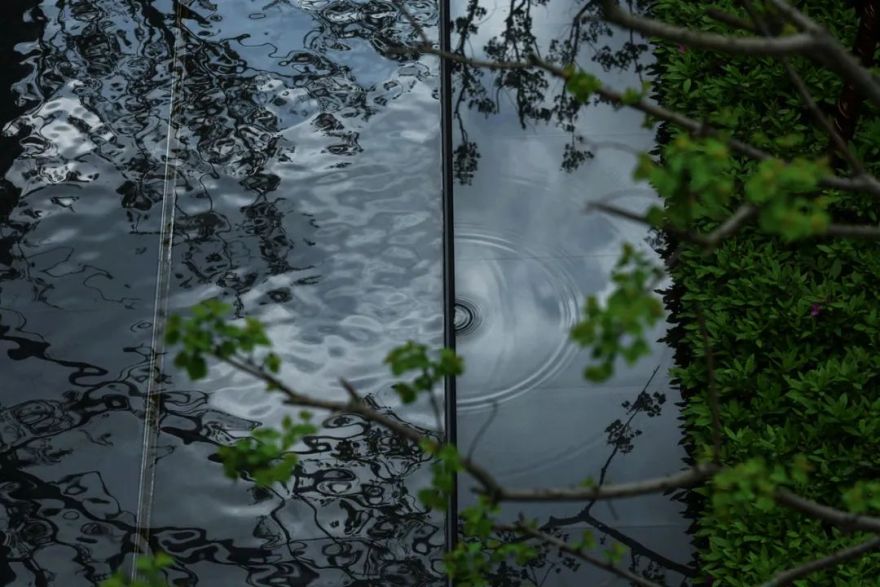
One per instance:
(284,156)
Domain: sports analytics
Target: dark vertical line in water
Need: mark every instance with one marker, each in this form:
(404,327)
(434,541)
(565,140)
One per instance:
(160,316)
(448,255)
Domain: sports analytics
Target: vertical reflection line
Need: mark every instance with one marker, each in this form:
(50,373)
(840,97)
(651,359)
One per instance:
(448,257)
(160,314)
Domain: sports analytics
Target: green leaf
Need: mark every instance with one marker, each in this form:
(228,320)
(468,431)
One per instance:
(582,85)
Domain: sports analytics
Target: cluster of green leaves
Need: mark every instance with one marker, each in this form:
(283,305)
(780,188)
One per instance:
(447,463)
(210,333)
(794,333)
(780,190)
(413,356)
(698,179)
(581,84)
(266,455)
(480,549)
(150,573)
(753,484)
(616,327)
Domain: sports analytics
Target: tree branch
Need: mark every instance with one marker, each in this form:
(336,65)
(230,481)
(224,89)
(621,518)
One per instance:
(853,231)
(833,55)
(860,183)
(807,98)
(842,519)
(488,485)
(835,558)
(683,479)
(798,44)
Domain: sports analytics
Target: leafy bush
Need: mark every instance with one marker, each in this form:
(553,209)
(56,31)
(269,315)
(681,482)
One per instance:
(794,327)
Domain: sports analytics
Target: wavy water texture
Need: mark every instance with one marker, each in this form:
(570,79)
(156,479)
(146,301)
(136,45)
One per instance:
(289,124)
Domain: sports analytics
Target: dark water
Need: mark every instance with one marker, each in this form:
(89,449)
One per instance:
(278,155)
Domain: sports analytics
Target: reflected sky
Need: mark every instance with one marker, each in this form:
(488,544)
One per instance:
(301,157)
(528,160)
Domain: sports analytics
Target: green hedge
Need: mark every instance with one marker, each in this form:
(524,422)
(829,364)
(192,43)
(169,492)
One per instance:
(795,328)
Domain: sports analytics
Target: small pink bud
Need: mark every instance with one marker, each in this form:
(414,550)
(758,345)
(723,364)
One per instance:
(815,310)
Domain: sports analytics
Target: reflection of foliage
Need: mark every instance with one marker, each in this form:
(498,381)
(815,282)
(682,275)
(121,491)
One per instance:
(109,64)
(529,89)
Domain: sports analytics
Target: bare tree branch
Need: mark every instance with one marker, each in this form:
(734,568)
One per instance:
(835,558)
(814,42)
(807,98)
(798,44)
(734,222)
(687,478)
(853,231)
(731,225)
(833,55)
(842,519)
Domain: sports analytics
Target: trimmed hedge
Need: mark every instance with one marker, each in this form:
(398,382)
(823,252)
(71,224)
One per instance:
(794,328)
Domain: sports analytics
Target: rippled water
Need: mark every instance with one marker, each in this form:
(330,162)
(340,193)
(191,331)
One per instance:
(298,161)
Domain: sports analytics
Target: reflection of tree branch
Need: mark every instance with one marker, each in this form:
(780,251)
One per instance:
(636,409)
(637,547)
(581,553)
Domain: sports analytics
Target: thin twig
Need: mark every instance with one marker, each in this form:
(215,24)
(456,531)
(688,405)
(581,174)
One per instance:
(356,406)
